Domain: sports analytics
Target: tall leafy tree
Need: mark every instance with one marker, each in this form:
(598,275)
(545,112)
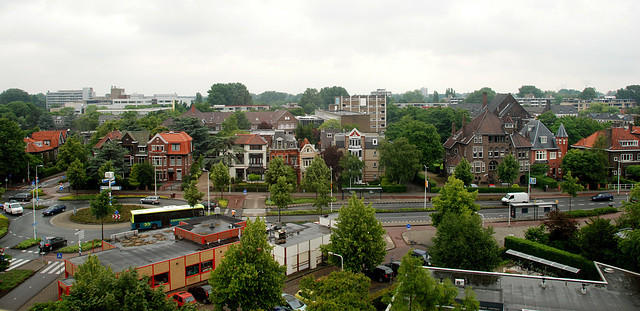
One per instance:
(331,156)
(529,89)
(71,150)
(243,122)
(570,186)
(309,131)
(588,93)
(418,290)
(462,243)
(142,174)
(248,276)
(229,126)
(454,198)
(192,194)
(101,207)
(476,96)
(76,174)
(197,131)
(509,168)
(584,165)
(598,241)
(351,167)
(13,158)
(328,94)
(276,169)
(281,193)
(12,95)
(424,136)
(310,100)
(629,92)
(414,96)
(463,172)
(562,230)
(630,250)
(630,217)
(399,159)
(340,290)
(229,94)
(220,176)
(112,152)
(317,178)
(358,237)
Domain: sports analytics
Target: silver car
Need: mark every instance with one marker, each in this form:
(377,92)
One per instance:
(152,199)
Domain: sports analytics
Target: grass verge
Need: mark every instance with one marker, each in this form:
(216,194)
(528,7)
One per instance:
(10,279)
(4,225)
(27,243)
(84,215)
(86,247)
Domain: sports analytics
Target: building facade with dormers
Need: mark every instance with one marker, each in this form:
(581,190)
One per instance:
(307,153)
(284,146)
(365,147)
(136,144)
(253,159)
(622,147)
(547,148)
(171,154)
(45,144)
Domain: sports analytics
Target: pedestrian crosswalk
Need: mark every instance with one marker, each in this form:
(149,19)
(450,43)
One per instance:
(52,267)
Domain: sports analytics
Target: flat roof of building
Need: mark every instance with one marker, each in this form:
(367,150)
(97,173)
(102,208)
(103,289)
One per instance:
(298,233)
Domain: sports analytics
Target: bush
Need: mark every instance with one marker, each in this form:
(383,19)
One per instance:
(255,177)
(542,181)
(587,267)
(4,225)
(84,215)
(86,247)
(27,243)
(513,188)
(592,212)
(394,188)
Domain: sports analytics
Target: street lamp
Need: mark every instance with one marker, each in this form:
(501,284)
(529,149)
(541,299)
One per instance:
(426,185)
(155,176)
(331,185)
(34,203)
(619,158)
(341,259)
(208,197)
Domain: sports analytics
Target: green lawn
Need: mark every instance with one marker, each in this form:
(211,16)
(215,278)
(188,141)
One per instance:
(10,279)
(84,215)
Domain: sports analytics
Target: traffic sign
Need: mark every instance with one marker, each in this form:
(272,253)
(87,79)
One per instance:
(33,183)
(532,180)
(104,181)
(113,182)
(408,226)
(61,188)
(116,188)
(104,187)
(116,216)
(116,212)
(37,199)
(59,255)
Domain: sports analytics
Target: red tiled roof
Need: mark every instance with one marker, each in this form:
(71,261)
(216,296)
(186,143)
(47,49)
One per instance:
(36,146)
(617,134)
(111,136)
(53,136)
(249,139)
(177,137)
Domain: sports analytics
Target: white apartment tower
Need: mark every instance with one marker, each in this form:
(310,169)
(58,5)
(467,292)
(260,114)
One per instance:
(59,98)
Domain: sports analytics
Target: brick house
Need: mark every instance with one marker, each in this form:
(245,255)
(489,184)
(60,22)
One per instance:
(622,147)
(253,159)
(284,146)
(365,147)
(547,148)
(45,144)
(136,144)
(171,153)
(307,153)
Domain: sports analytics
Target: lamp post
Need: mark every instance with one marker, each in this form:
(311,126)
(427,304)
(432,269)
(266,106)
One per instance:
(341,259)
(34,203)
(331,185)
(208,197)
(155,176)
(529,181)
(426,185)
(619,158)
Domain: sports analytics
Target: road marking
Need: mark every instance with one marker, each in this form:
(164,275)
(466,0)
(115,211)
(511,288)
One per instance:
(15,263)
(53,267)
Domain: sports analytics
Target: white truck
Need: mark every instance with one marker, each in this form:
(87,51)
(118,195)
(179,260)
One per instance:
(515,197)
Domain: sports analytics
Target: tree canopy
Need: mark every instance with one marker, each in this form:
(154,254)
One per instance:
(584,165)
(399,159)
(454,198)
(317,178)
(529,89)
(341,290)
(351,167)
(509,168)
(229,94)
(13,158)
(463,172)
(476,96)
(424,136)
(358,237)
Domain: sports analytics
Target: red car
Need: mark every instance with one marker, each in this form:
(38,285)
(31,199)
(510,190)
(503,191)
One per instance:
(182,298)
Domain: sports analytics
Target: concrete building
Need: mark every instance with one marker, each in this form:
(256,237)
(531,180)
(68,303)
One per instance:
(375,106)
(59,98)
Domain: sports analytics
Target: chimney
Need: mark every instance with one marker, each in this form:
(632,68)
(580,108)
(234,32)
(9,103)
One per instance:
(484,100)
(453,128)
(193,109)
(548,106)
(464,125)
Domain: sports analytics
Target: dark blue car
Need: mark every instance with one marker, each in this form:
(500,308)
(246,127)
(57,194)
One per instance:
(54,209)
(602,197)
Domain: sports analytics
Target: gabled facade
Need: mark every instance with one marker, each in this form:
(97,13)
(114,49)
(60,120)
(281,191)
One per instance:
(485,142)
(506,106)
(253,159)
(547,148)
(307,153)
(279,119)
(284,146)
(45,143)
(171,153)
(622,147)
(136,144)
(111,136)
(365,147)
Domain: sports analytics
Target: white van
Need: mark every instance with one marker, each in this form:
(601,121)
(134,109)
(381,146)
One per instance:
(13,208)
(515,197)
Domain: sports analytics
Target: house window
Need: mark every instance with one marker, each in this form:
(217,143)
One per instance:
(375,142)
(206,265)
(160,279)
(192,270)
(490,153)
(477,139)
(543,139)
(179,161)
(541,155)
(502,152)
(286,118)
(552,155)
(638,157)
(255,147)
(175,147)
(172,161)
(477,152)
(159,148)
(329,135)
(625,157)
(375,164)
(492,166)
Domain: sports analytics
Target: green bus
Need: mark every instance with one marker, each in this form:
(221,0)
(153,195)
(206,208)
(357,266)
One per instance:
(153,218)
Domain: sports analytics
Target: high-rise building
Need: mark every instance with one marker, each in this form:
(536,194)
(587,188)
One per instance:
(59,98)
(373,105)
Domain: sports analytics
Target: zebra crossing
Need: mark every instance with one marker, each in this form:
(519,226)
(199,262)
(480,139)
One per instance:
(52,267)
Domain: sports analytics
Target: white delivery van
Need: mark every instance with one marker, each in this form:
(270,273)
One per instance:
(515,197)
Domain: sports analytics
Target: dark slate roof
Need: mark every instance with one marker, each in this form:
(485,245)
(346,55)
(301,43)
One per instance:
(519,141)
(561,131)
(474,108)
(505,104)
(142,137)
(534,130)
(485,123)
(564,110)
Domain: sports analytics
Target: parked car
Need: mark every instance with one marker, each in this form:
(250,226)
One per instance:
(50,243)
(13,208)
(182,298)
(422,254)
(206,204)
(152,199)
(201,293)
(380,273)
(395,266)
(602,197)
(54,209)
(24,196)
(292,303)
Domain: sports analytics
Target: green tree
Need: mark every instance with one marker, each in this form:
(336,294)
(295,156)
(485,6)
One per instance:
(598,241)
(331,156)
(97,287)
(529,89)
(229,94)
(309,131)
(630,250)
(562,230)
(629,92)
(588,93)
(328,94)
(399,159)
(12,95)
(424,136)
(76,174)
(537,234)
(70,151)
(142,174)
(463,172)
(281,194)
(310,100)
(241,119)
(454,198)
(462,243)
(351,167)
(412,97)
(317,178)
(192,194)
(630,217)
(220,176)
(358,237)
(330,124)
(418,290)
(570,186)
(101,207)
(197,131)
(112,152)
(436,97)
(509,168)
(276,169)
(340,290)
(248,276)
(13,158)
(45,121)
(476,96)
(584,165)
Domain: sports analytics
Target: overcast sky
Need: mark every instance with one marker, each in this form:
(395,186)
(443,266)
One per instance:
(181,46)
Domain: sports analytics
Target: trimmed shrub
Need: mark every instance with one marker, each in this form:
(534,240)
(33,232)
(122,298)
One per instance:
(514,188)
(592,212)
(251,187)
(542,181)
(587,267)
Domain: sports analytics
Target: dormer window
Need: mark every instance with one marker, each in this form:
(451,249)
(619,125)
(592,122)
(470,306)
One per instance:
(543,139)
(628,143)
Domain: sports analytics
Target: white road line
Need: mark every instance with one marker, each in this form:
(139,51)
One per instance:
(53,267)
(15,263)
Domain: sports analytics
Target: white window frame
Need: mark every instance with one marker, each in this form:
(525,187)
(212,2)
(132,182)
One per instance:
(552,155)
(543,139)
(541,155)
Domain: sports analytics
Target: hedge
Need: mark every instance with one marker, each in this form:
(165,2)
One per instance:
(592,212)
(542,181)
(385,188)
(587,267)
(488,189)
(250,187)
